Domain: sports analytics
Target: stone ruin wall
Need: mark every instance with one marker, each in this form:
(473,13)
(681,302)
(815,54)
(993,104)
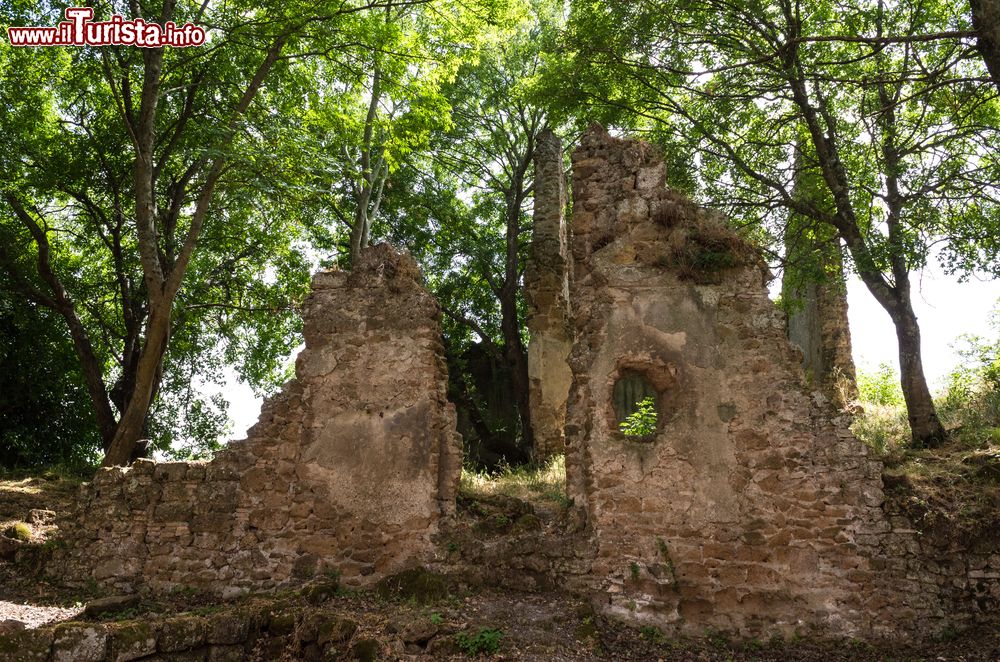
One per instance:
(350,468)
(753,509)
(546,287)
(818,325)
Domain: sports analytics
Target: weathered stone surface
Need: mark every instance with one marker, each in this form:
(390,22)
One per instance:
(752,508)
(546,288)
(79,643)
(110,604)
(27,645)
(41,517)
(817,317)
(10,626)
(132,641)
(349,468)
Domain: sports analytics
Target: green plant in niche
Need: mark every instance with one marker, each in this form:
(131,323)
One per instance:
(641,422)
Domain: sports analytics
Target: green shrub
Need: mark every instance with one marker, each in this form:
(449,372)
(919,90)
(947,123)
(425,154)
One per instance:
(880,387)
(485,640)
(641,422)
(883,428)
(653,634)
(18,531)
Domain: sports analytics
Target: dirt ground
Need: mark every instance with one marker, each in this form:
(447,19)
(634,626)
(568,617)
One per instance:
(526,626)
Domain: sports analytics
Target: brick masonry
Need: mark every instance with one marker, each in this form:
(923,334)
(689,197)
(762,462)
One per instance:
(546,287)
(350,468)
(752,509)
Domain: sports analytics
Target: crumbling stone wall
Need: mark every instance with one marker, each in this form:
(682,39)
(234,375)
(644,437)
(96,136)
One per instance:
(752,508)
(817,309)
(546,283)
(350,467)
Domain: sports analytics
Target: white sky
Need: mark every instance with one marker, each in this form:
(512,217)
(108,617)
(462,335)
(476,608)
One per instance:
(946,309)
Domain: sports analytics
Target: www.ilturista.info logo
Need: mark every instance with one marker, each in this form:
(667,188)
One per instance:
(79,30)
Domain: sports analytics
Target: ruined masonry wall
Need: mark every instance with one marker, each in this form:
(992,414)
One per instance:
(546,287)
(753,509)
(350,467)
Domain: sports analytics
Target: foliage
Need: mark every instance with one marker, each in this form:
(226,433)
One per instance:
(891,133)
(641,422)
(19,531)
(483,641)
(883,428)
(186,241)
(45,414)
(546,481)
(881,420)
(880,387)
(969,401)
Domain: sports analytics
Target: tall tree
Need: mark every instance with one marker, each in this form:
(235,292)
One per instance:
(466,209)
(145,193)
(899,130)
(379,106)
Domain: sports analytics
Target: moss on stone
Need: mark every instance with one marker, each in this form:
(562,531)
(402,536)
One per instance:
(416,583)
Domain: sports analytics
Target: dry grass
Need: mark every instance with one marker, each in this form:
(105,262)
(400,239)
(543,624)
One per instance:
(530,483)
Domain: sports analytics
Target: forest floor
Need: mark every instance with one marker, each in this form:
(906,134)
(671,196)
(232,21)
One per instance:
(495,625)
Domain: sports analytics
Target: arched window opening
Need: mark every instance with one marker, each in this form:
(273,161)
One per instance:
(636,404)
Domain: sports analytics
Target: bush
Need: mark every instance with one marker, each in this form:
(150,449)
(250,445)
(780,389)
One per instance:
(486,640)
(880,387)
(642,422)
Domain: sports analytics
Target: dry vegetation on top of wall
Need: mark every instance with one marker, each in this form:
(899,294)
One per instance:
(708,251)
(952,493)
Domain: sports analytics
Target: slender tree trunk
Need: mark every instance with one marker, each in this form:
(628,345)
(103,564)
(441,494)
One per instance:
(133,420)
(369,172)
(61,302)
(925,427)
(894,296)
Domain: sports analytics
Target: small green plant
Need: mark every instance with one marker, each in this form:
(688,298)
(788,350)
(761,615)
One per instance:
(653,634)
(18,531)
(634,569)
(716,639)
(948,634)
(436,618)
(641,422)
(484,641)
(452,547)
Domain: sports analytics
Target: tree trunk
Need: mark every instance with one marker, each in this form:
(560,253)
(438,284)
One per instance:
(133,420)
(986,21)
(517,360)
(925,427)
